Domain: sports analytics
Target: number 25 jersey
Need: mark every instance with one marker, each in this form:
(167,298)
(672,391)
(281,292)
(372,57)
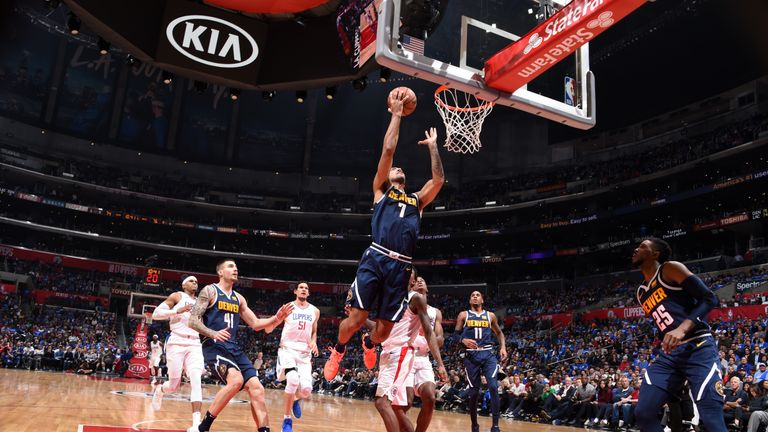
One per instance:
(669,305)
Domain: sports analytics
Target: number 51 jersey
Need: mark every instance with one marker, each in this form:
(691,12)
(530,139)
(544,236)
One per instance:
(669,305)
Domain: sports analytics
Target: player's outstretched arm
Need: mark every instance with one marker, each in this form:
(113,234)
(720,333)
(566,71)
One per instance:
(439,334)
(678,273)
(419,306)
(258,324)
(204,301)
(163,311)
(390,145)
(432,187)
(499,336)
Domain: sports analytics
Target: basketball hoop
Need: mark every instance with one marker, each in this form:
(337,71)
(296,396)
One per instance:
(148,318)
(463,115)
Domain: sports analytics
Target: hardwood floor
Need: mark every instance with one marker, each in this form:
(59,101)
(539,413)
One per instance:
(57,402)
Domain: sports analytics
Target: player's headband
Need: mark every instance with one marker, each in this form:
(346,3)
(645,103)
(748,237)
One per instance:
(188,278)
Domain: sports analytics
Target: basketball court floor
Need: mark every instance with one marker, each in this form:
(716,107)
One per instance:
(57,402)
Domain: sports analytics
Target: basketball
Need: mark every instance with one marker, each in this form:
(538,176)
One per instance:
(409,104)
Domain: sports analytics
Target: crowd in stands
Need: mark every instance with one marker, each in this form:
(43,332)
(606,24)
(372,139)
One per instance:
(52,338)
(610,172)
(55,277)
(331,248)
(569,296)
(468,195)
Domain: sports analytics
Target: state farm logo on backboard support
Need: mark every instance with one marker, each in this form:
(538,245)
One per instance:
(212,41)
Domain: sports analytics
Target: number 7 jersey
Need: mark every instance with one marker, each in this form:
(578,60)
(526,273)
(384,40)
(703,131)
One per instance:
(395,221)
(669,305)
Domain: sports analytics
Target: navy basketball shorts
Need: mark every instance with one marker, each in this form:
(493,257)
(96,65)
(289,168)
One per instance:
(220,358)
(698,362)
(381,284)
(480,363)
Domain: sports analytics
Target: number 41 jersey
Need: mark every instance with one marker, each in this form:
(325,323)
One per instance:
(224,313)
(669,305)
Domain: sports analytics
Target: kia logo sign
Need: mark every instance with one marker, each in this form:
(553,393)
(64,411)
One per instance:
(212,41)
(141,339)
(138,369)
(140,346)
(141,354)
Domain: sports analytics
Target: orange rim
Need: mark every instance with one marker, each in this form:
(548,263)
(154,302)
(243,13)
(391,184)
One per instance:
(483,106)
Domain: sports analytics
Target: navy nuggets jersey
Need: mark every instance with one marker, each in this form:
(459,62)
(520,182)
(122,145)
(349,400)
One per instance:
(224,313)
(478,327)
(669,305)
(395,222)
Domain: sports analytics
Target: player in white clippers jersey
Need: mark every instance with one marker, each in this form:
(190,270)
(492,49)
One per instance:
(294,357)
(422,379)
(155,352)
(397,357)
(183,348)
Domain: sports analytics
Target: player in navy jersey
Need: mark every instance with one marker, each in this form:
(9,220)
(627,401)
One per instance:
(475,327)
(216,316)
(678,301)
(385,268)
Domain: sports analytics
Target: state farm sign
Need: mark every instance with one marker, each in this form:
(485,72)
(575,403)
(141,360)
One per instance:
(553,40)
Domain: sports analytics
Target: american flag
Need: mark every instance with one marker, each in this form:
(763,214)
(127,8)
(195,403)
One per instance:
(412,44)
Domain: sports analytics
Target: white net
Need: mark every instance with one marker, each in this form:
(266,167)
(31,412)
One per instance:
(463,115)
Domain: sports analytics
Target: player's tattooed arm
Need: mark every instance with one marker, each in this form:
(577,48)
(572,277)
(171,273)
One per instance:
(499,335)
(204,300)
(432,187)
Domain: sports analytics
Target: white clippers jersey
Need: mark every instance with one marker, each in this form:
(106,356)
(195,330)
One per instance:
(297,328)
(180,323)
(156,350)
(421,342)
(405,331)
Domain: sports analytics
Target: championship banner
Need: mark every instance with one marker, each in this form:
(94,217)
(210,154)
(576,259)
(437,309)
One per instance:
(138,367)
